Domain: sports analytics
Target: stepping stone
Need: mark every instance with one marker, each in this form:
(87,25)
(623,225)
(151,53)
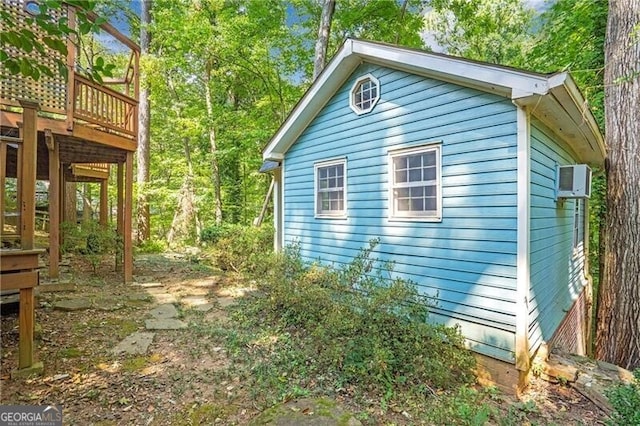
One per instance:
(55,287)
(165,311)
(140,297)
(161,296)
(135,344)
(225,302)
(209,282)
(203,308)
(146,284)
(164,324)
(193,301)
(72,305)
(107,305)
(142,278)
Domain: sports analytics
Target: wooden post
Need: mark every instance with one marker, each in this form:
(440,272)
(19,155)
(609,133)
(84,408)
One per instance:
(104,203)
(119,215)
(28,176)
(128,209)
(62,199)
(54,203)
(26,325)
(3,173)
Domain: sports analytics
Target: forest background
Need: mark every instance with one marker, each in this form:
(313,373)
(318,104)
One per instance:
(221,76)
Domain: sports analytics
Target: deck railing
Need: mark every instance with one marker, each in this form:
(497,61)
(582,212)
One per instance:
(104,107)
(76,99)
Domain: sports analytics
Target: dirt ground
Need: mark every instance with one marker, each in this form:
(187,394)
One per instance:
(185,377)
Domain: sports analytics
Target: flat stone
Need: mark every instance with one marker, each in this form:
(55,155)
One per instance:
(163,297)
(308,411)
(146,284)
(226,301)
(34,370)
(164,311)
(135,344)
(55,287)
(193,301)
(142,278)
(203,308)
(594,391)
(164,324)
(140,297)
(72,305)
(210,282)
(107,305)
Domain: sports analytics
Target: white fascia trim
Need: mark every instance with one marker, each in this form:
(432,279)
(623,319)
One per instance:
(523,282)
(586,117)
(457,69)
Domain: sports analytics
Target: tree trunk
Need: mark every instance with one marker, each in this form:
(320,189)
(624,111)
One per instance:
(323,37)
(87,210)
(143,153)
(618,332)
(185,219)
(215,167)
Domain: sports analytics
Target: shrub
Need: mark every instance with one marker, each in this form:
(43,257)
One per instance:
(89,239)
(625,399)
(246,249)
(359,327)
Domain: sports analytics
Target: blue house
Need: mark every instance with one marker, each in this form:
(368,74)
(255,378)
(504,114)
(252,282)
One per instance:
(456,166)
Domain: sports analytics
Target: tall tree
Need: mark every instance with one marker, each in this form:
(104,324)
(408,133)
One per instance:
(618,330)
(488,30)
(322,42)
(144,149)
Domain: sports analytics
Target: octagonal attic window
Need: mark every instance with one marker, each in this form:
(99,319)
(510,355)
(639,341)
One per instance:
(364,94)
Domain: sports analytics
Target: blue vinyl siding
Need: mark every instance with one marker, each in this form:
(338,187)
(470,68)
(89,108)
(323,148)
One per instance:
(557,270)
(468,259)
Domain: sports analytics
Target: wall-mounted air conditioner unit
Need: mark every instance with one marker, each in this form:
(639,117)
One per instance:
(574,181)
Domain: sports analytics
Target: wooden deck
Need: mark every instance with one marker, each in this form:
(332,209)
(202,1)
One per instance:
(81,128)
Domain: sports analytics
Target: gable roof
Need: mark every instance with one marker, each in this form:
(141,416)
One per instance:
(552,98)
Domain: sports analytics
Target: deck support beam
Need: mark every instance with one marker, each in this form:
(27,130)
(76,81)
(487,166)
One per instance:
(120,215)
(104,203)
(128,207)
(54,204)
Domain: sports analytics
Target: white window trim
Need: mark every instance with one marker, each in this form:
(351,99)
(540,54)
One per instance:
(328,163)
(352,104)
(431,146)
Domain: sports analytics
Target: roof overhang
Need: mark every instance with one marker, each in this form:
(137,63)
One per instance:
(554,99)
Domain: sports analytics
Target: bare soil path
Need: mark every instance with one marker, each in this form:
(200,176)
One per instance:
(185,375)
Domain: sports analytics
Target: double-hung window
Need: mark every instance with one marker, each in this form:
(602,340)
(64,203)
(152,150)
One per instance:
(415,183)
(330,188)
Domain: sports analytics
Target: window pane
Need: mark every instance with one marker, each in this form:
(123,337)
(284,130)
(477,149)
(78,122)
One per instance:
(415,175)
(430,191)
(429,159)
(402,192)
(403,204)
(401,176)
(415,161)
(417,205)
(322,172)
(417,192)
(431,204)
(400,163)
(429,174)
(340,170)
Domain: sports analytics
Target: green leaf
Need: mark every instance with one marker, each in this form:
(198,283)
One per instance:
(99,62)
(85,27)
(56,44)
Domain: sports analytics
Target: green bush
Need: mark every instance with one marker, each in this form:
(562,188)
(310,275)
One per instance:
(358,327)
(246,249)
(625,399)
(89,239)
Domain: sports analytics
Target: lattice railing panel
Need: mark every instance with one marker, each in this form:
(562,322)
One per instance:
(50,92)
